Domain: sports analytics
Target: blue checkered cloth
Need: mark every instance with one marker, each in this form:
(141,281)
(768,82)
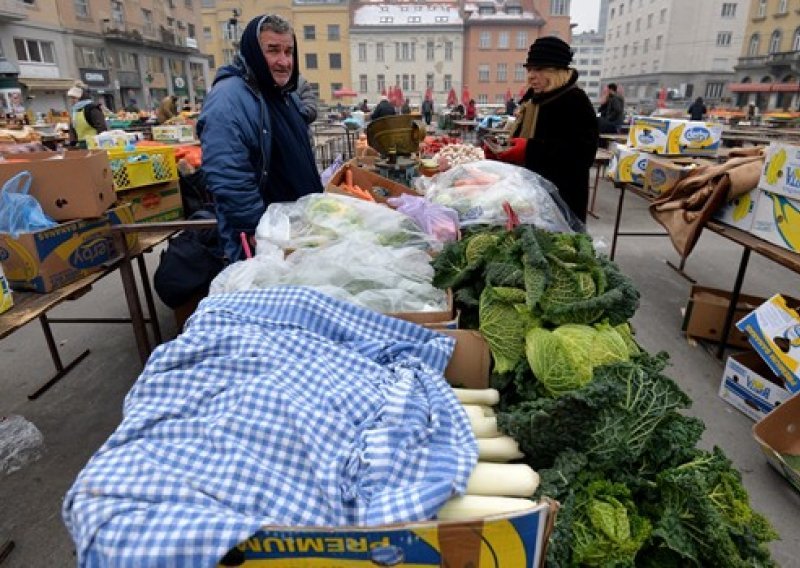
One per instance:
(275,407)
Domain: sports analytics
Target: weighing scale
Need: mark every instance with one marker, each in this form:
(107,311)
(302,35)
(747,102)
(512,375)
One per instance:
(397,138)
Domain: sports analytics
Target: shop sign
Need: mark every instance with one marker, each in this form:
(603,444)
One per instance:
(95,77)
(179,85)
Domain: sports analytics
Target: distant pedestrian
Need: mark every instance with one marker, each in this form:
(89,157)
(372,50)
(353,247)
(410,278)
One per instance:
(697,110)
(364,106)
(511,106)
(612,111)
(472,110)
(427,111)
(383,108)
(406,108)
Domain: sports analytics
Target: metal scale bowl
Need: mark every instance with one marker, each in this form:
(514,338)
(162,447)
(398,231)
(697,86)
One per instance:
(397,139)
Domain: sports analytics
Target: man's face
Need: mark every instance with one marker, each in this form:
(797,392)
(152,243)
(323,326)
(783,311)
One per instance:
(278,50)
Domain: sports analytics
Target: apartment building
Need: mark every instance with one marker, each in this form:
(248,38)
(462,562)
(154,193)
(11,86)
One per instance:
(769,66)
(588,60)
(686,47)
(413,45)
(497,35)
(123,51)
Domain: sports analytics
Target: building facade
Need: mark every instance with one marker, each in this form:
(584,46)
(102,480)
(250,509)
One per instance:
(127,53)
(497,35)
(685,47)
(769,66)
(588,60)
(414,45)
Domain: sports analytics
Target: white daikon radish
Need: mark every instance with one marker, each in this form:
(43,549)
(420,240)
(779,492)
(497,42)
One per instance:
(485,397)
(484,427)
(500,449)
(502,479)
(474,412)
(488,411)
(477,506)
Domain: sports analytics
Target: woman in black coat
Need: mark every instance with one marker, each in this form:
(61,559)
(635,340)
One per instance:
(555,134)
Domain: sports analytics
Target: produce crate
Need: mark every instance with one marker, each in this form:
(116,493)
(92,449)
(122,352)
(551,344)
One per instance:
(146,166)
(173,133)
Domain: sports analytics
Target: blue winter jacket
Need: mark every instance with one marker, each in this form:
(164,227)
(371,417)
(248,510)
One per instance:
(236,137)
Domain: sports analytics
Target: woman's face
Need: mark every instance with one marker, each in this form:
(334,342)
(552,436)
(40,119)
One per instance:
(538,79)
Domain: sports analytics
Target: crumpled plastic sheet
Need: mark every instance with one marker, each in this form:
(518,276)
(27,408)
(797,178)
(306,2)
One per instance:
(20,443)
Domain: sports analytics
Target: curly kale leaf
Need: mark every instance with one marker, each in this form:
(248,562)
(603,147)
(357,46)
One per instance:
(503,326)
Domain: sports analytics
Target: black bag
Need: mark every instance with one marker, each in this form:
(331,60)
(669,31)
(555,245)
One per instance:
(195,194)
(188,265)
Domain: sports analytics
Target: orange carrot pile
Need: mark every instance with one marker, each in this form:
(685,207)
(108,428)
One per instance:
(353,189)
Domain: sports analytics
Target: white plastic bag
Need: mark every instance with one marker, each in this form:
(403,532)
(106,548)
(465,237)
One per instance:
(479,190)
(20,443)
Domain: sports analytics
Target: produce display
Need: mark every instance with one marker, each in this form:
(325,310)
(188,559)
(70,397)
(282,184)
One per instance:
(431,145)
(592,412)
(458,154)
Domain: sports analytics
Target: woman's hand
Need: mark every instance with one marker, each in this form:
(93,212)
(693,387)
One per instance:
(515,154)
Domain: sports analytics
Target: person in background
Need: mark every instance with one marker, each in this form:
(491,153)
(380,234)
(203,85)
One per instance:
(131,106)
(383,108)
(364,106)
(472,110)
(406,108)
(167,109)
(308,104)
(427,111)
(697,110)
(87,118)
(186,106)
(511,106)
(253,133)
(540,142)
(612,111)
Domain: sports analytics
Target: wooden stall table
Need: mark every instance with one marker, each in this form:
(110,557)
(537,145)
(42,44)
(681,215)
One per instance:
(606,139)
(31,305)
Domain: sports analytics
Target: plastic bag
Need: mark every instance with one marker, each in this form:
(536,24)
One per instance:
(478,190)
(20,212)
(320,219)
(438,221)
(20,443)
(328,172)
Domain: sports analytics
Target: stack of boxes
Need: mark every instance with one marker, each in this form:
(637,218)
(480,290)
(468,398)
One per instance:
(661,151)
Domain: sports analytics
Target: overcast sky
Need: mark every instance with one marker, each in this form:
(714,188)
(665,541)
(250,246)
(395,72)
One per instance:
(585,13)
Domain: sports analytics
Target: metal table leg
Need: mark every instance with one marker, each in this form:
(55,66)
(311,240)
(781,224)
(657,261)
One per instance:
(617,220)
(61,369)
(148,297)
(737,288)
(594,190)
(132,298)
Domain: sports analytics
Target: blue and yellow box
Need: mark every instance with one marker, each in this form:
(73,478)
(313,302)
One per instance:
(675,137)
(6,301)
(781,173)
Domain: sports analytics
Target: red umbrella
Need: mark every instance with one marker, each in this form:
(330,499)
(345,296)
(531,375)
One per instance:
(399,97)
(508,94)
(465,98)
(451,98)
(522,91)
(662,97)
(341,93)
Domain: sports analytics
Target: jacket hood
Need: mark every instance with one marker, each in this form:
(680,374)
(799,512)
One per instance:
(251,64)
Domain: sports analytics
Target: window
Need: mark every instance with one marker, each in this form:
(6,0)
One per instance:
(311,61)
(362,52)
(583,62)
(387,19)
(559,7)
(502,40)
(155,64)
(775,42)
(413,82)
(755,41)
(441,19)
(126,61)
(406,85)
(646,45)
(522,40)
(724,39)
(638,24)
(117,13)
(429,50)
(621,9)
(625,50)
(729,10)
(635,49)
(598,61)
(649,21)
(485,10)
(796,40)
(611,15)
(190,30)
(594,73)
(379,52)
(227,56)
(147,16)
(656,64)
(499,99)
(627,28)
(762,8)
(381,83)
(333,32)
(662,16)
(429,81)
(335,87)
(502,72)
(448,82)
(34,51)
(82,8)
(207,33)
(485,40)
(514,10)
(782,7)
(309,33)
(362,83)
(404,51)
(187,3)
(483,73)
(519,72)
(483,99)
(659,41)
(90,56)
(335,60)
(714,90)
(448,51)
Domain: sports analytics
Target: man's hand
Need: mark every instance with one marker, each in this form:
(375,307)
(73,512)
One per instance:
(515,154)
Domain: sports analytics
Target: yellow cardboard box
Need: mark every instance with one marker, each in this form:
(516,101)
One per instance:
(155,203)
(6,301)
(628,165)
(740,212)
(675,137)
(781,173)
(662,174)
(777,220)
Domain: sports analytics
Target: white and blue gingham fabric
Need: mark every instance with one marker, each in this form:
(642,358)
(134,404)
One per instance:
(275,407)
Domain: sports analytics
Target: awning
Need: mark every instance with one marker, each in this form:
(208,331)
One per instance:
(750,87)
(786,87)
(38,84)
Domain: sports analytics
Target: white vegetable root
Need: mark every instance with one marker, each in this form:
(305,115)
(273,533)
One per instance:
(476,506)
(484,427)
(484,397)
(501,449)
(502,479)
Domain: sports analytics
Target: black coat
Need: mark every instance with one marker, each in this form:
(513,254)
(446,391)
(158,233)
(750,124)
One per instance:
(384,108)
(564,143)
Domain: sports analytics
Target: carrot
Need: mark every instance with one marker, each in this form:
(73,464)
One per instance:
(366,194)
(348,177)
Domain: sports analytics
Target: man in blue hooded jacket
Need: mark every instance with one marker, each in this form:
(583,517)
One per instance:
(255,142)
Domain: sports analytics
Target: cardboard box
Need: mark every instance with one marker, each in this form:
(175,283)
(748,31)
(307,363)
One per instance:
(517,540)
(379,187)
(750,385)
(173,133)
(705,315)
(774,331)
(426,318)
(781,173)
(75,185)
(777,220)
(628,165)
(674,137)
(6,301)
(122,214)
(778,434)
(739,212)
(662,174)
(112,139)
(155,203)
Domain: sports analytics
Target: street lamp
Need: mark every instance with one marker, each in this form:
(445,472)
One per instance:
(233,28)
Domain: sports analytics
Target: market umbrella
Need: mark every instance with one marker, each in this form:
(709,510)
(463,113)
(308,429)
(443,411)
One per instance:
(399,97)
(343,93)
(465,98)
(509,96)
(662,97)
(451,98)
(522,91)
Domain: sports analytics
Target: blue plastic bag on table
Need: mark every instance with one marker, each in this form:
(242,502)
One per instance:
(20,212)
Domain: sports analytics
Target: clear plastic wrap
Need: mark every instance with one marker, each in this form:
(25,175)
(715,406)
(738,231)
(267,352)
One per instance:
(320,219)
(383,279)
(478,190)
(20,443)
(438,221)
